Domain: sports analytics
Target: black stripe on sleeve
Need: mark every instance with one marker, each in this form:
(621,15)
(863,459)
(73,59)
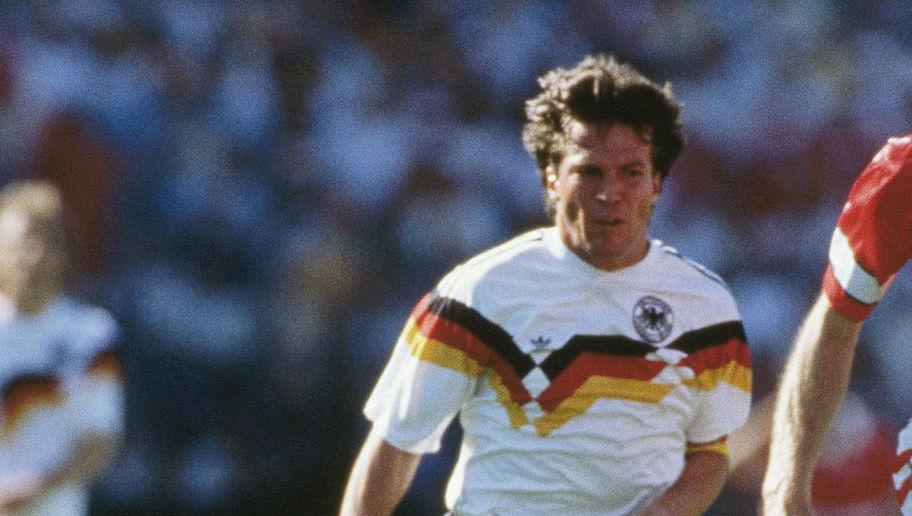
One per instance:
(491,334)
(709,336)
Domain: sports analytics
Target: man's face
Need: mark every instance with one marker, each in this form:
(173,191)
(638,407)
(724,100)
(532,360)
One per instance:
(603,192)
(25,251)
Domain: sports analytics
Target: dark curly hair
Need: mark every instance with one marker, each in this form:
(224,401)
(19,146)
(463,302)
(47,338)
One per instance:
(601,90)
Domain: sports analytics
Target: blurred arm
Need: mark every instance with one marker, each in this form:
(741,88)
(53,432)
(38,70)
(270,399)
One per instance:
(697,488)
(379,479)
(813,385)
(90,458)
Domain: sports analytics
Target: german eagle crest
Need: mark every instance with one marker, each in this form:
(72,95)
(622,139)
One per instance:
(653,319)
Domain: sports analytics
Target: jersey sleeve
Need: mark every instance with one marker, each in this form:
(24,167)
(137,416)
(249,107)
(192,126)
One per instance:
(433,370)
(719,357)
(873,236)
(96,393)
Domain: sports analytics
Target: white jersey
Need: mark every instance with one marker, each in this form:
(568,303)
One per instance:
(902,476)
(59,380)
(578,389)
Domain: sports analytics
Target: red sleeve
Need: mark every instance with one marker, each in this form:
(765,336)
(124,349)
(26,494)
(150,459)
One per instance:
(873,237)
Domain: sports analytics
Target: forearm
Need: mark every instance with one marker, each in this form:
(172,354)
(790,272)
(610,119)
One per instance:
(89,458)
(92,455)
(812,388)
(695,490)
(379,479)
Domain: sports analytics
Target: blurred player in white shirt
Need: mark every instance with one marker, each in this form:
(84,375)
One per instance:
(60,386)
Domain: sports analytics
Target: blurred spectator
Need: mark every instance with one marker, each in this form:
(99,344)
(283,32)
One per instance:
(71,157)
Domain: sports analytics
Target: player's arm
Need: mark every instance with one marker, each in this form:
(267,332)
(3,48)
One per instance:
(89,458)
(433,371)
(97,408)
(17,490)
(379,479)
(872,240)
(812,388)
(705,471)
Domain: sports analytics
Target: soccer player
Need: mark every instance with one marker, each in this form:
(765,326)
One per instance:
(594,371)
(872,240)
(60,388)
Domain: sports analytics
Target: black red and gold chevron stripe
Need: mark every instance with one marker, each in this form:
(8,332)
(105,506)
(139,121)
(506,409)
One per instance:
(450,334)
(590,367)
(717,353)
(902,490)
(24,394)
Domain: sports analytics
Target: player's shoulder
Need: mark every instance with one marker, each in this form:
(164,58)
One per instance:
(882,189)
(88,315)
(90,328)
(688,267)
(501,260)
(527,242)
(897,148)
(693,276)
(893,159)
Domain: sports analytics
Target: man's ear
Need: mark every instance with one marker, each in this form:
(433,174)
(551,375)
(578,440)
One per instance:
(551,182)
(551,176)
(657,183)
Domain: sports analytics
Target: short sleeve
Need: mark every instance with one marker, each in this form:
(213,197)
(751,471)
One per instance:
(719,358)
(98,398)
(433,370)
(873,236)
(96,395)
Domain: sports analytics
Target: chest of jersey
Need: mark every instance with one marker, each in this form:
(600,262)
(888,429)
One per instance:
(564,346)
(32,375)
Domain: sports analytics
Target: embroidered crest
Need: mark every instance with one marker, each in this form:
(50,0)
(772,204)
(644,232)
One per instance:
(653,319)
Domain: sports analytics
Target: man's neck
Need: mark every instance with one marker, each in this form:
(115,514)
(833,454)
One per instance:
(34,302)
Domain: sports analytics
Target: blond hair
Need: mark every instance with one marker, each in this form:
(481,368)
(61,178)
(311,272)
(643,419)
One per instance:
(38,199)
(41,202)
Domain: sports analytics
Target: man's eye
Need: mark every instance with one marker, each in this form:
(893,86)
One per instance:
(634,172)
(589,171)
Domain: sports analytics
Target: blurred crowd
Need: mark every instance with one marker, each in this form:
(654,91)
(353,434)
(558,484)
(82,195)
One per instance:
(261,190)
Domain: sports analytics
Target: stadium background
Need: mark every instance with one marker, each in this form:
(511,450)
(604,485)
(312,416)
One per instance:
(260,192)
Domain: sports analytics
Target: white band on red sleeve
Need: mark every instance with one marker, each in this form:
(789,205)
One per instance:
(853,279)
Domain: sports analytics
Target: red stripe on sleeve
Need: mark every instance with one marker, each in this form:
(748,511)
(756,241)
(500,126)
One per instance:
(451,334)
(715,357)
(447,332)
(901,460)
(903,491)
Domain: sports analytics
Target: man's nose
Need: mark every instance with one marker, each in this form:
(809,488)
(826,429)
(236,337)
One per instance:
(609,188)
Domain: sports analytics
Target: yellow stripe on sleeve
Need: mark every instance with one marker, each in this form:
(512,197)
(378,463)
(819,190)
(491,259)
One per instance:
(732,373)
(720,447)
(439,353)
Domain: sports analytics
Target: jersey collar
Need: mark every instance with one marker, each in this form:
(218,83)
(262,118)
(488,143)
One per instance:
(571,261)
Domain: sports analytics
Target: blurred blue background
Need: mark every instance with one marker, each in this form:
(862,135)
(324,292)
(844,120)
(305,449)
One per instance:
(261,190)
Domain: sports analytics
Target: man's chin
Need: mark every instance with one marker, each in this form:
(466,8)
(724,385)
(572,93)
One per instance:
(614,254)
